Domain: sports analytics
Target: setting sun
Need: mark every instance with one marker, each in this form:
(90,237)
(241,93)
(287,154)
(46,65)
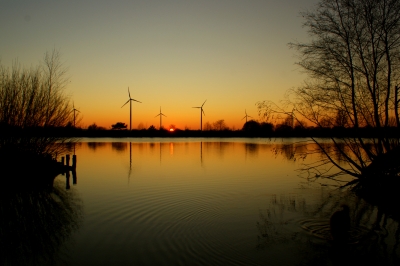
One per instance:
(171,129)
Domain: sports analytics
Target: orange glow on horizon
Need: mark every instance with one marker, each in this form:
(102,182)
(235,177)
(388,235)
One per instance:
(171,129)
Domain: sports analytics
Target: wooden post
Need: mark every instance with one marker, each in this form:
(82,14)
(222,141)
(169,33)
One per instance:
(74,161)
(67,157)
(62,165)
(74,179)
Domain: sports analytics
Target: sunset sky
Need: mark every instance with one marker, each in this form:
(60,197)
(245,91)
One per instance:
(170,53)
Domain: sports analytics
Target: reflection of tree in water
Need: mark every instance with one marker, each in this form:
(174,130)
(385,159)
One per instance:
(222,147)
(252,148)
(288,151)
(217,147)
(207,148)
(35,222)
(95,145)
(373,239)
(119,146)
(72,146)
(292,150)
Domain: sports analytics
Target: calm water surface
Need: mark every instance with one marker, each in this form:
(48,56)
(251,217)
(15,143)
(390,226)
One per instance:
(212,202)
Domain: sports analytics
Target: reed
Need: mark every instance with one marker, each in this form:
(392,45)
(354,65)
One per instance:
(33,103)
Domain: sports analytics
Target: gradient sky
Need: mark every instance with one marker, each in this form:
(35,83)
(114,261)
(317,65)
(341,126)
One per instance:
(171,53)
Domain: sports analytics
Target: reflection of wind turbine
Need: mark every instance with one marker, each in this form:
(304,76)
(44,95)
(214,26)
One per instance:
(74,110)
(130,162)
(201,153)
(246,115)
(160,114)
(130,101)
(201,115)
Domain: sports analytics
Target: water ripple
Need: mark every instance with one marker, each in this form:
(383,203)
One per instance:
(320,228)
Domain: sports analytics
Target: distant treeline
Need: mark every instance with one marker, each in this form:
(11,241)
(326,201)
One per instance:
(250,129)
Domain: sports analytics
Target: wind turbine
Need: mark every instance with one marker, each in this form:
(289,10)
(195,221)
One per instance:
(74,110)
(130,114)
(160,114)
(246,115)
(201,115)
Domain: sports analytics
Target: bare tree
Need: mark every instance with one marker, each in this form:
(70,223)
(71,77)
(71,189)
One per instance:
(207,126)
(352,60)
(119,126)
(219,125)
(341,119)
(33,102)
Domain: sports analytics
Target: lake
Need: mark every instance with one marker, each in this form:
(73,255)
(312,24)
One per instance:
(206,202)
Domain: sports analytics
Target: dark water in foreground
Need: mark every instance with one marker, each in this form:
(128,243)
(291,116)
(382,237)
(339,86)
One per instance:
(186,202)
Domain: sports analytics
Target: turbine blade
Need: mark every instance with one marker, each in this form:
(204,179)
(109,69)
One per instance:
(135,100)
(156,115)
(203,103)
(125,103)
(129,93)
(203,111)
(196,107)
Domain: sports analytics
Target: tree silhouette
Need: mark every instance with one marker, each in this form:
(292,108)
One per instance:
(94,126)
(352,61)
(32,104)
(251,126)
(219,125)
(119,126)
(207,126)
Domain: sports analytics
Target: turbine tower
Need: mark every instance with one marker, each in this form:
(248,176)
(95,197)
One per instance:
(74,110)
(130,113)
(201,115)
(246,115)
(160,114)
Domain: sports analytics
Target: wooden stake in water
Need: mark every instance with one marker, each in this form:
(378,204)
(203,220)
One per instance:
(74,161)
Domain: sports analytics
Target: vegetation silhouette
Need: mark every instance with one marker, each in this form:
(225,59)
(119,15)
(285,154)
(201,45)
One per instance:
(119,146)
(119,126)
(340,224)
(94,127)
(95,145)
(372,236)
(35,223)
(34,110)
(352,64)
